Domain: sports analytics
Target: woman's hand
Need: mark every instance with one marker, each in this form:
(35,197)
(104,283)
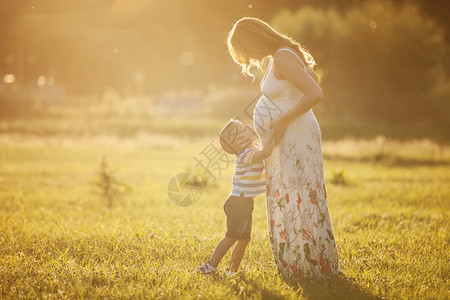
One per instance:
(279,127)
(267,149)
(270,143)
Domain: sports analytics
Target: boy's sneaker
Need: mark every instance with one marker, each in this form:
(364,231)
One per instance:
(207,269)
(230,273)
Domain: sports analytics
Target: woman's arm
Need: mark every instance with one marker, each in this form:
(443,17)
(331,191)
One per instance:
(289,67)
(313,74)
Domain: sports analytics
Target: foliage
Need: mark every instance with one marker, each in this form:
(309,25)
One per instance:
(339,177)
(380,60)
(83,116)
(107,184)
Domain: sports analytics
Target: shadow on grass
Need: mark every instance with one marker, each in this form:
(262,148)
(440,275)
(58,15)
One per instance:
(338,287)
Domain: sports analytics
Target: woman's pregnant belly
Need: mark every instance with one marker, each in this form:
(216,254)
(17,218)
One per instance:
(267,110)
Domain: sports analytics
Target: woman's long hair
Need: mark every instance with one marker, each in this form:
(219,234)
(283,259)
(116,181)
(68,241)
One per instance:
(251,35)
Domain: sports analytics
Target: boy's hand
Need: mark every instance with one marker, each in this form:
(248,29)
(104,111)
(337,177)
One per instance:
(267,148)
(270,143)
(278,127)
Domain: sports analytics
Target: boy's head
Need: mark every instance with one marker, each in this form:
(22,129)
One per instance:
(236,136)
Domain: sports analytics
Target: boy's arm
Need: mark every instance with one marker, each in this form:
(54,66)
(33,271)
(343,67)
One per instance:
(266,151)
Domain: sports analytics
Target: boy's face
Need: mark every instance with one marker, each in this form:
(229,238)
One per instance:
(239,136)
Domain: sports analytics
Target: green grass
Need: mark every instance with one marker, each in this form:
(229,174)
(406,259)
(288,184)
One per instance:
(59,239)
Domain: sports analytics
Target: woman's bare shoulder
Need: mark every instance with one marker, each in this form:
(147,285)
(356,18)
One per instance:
(286,56)
(287,61)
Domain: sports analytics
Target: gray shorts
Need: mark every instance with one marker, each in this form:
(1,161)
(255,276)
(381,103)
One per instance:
(239,217)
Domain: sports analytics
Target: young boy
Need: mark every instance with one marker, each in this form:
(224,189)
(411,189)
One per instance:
(248,181)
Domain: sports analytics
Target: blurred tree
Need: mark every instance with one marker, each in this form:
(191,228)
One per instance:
(90,45)
(380,61)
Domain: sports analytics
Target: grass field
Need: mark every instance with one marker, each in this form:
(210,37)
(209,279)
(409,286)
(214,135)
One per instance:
(389,202)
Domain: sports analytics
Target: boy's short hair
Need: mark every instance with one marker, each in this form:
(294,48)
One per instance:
(224,140)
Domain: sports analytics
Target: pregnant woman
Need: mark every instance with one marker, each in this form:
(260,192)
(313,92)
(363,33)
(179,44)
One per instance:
(300,230)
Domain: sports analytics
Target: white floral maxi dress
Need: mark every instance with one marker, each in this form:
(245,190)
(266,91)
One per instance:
(300,231)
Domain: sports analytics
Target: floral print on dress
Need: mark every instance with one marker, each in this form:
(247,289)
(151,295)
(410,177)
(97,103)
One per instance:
(300,230)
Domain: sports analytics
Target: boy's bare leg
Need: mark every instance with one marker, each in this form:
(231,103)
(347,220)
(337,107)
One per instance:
(237,255)
(221,248)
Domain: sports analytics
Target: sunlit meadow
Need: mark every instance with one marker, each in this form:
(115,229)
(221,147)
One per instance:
(60,238)
(102,103)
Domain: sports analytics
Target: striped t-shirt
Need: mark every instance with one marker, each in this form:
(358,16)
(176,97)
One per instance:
(249,178)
